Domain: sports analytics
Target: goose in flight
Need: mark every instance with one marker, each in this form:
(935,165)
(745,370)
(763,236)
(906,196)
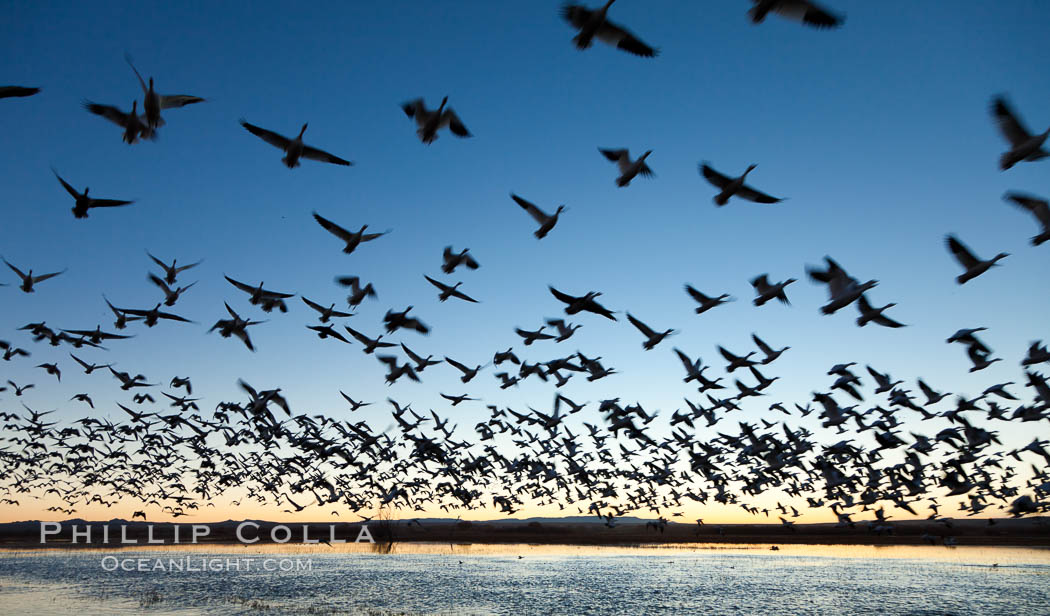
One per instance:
(585,303)
(421,363)
(326,331)
(357,292)
(353,239)
(468,373)
(28,280)
(170,296)
(449,291)
(1036,207)
(1024,146)
(11,351)
(267,300)
(804,11)
(153,103)
(132,124)
(736,361)
(628,168)
(532,336)
(370,344)
(452,260)
(293,149)
(734,186)
(706,302)
(592,23)
(400,320)
(325,313)
(843,289)
(172,271)
(771,353)
(397,371)
(152,317)
(870,314)
(354,404)
(974,266)
(652,338)
(546,222)
(17,91)
(429,122)
(83,201)
(766,291)
(565,331)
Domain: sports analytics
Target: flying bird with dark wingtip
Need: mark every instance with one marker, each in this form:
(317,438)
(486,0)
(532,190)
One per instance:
(585,303)
(803,11)
(153,103)
(449,291)
(353,239)
(1037,207)
(629,169)
(974,266)
(706,302)
(429,122)
(592,23)
(172,271)
(84,202)
(451,260)
(133,124)
(29,280)
(731,187)
(545,221)
(293,149)
(766,291)
(1024,146)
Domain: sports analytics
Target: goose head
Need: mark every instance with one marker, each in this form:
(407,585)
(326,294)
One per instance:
(151,84)
(643,156)
(750,168)
(1001,255)
(303,130)
(444,101)
(86,189)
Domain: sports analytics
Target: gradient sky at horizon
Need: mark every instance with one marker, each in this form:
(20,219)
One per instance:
(879,134)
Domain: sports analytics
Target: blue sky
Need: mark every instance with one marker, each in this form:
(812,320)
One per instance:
(878,133)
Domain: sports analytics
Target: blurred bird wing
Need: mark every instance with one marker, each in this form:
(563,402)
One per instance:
(315,154)
(962,254)
(537,214)
(1009,124)
(717,179)
(333,228)
(268,136)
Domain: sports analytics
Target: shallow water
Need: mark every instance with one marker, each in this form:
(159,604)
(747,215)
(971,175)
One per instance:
(492,579)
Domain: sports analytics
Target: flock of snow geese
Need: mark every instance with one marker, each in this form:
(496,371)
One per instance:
(173,458)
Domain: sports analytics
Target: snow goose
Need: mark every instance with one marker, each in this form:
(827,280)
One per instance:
(628,168)
(293,149)
(1036,207)
(734,186)
(132,124)
(448,291)
(545,221)
(428,123)
(652,337)
(706,302)
(84,202)
(870,314)
(592,23)
(974,266)
(153,103)
(767,291)
(28,280)
(352,239)
(1023,144)
(804,11)
(452,260)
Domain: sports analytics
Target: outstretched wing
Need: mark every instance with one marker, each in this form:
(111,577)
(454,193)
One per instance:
(961,252)
(314,154)
(746,192)
(716,178)
(333,228)
(537,214)
(1012,129)
(268,136)
(69,189)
